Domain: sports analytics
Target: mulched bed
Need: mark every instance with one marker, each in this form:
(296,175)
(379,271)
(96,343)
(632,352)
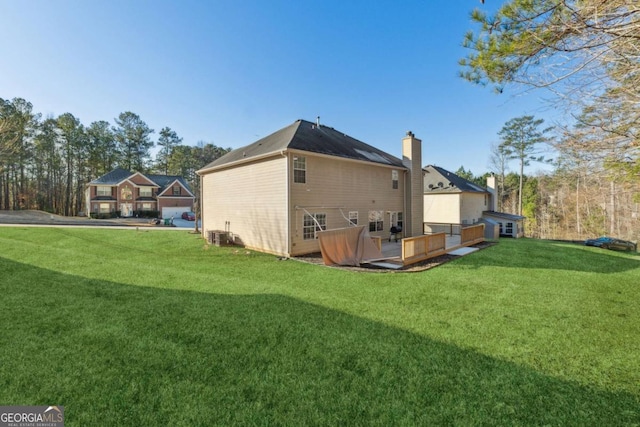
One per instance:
(316,258)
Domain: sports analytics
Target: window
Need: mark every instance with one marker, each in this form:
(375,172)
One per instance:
(145,192)
(146,206)
(126,193)
(105,208)
(299,169)
(103,190)
(394,179)
(509,228)
(400,220)
(353,217)
(313,223)
(376,222)
(176,190)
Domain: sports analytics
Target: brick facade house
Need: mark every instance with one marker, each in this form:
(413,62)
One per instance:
(127,194)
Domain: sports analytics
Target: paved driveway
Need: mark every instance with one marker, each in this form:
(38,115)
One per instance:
(183,223)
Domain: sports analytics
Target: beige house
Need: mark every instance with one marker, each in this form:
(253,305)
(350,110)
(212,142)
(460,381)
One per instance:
(450,199)
(275,195)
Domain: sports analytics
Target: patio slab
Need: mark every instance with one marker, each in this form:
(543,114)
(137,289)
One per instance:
(463,251)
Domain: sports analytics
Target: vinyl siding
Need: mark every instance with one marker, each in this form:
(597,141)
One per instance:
(333,183)
(252,199)
(473,204)
(443,208)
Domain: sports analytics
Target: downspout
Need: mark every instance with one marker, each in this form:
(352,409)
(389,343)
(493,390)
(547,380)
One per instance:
(199,208)
(283,153)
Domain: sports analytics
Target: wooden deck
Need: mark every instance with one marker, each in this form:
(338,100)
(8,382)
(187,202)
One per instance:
(411,250)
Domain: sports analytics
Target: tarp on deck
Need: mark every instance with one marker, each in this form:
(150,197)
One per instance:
(348,246)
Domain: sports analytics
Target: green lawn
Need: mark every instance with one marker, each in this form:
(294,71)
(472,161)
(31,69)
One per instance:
(148,328)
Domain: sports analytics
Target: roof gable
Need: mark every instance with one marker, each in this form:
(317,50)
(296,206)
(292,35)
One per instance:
(306,136)
(167,181)
(138,178)
(439,180)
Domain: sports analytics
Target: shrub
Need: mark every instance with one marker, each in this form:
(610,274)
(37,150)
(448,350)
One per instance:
(102,215)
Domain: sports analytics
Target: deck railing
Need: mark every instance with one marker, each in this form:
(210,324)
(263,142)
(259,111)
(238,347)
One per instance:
(472,235)
(420,248)
(441,227)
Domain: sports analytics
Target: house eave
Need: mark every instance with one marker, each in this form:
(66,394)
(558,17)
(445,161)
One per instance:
(205,171)
(346,159)
(504,215)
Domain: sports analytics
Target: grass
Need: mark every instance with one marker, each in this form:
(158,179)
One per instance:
(127,327)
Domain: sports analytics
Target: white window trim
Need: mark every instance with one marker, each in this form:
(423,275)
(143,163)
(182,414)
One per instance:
(376,217)
(106,190)
(297,162)
(353,215)
(318,224)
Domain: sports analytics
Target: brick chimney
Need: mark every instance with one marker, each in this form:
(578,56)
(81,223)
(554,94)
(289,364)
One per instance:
(414,188)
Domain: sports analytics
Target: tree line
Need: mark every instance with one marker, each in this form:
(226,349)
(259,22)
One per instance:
(45,163)
(585,54)
(582,196)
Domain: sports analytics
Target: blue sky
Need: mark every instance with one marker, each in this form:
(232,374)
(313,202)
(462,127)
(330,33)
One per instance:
(231,72)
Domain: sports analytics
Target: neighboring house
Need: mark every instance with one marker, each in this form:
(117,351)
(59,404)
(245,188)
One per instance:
(124,193)
(274,195)
(451,199)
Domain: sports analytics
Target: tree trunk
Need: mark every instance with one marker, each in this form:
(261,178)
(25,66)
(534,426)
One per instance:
(612,210)
(520,188)
(578,230)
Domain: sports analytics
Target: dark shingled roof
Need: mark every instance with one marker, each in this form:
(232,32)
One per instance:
(164,180)
(113,177)
(503,215)
(438,180)
(118,175)
(307,136)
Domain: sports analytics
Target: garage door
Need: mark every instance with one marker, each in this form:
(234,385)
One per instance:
(173,212)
